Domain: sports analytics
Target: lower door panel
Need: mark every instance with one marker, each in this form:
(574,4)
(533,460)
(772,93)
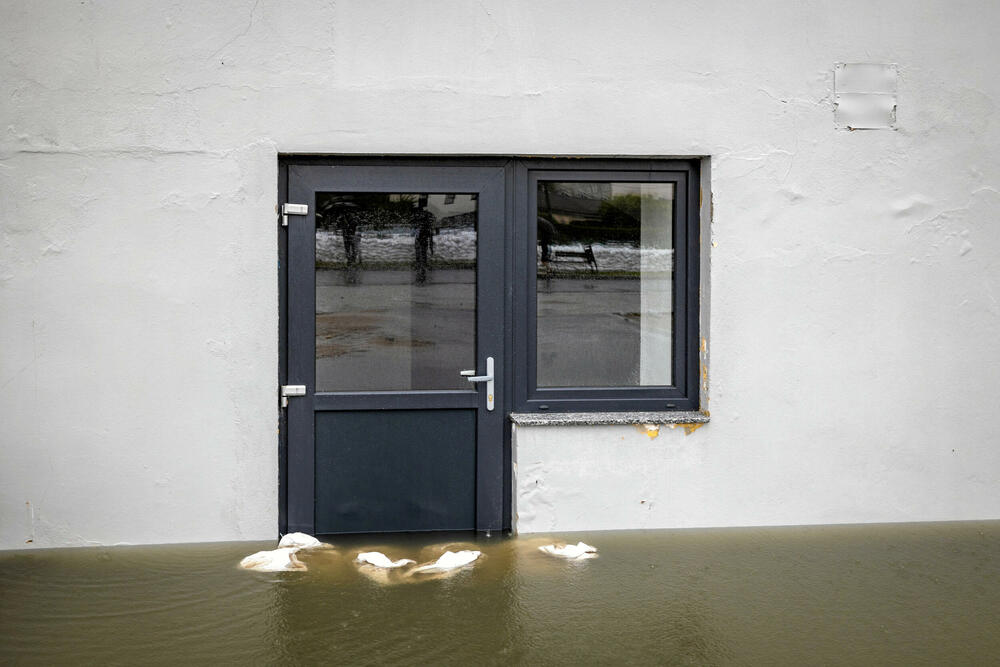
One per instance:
(395,470)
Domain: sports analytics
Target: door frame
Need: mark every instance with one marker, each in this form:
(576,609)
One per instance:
(497,488)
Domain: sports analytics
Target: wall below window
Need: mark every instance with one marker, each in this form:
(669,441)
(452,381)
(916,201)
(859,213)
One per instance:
(853,293)
(644,476)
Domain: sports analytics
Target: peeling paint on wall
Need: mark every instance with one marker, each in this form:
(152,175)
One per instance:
(689,428)
(651,430)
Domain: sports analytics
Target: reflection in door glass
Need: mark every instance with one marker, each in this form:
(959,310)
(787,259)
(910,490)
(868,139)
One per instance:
(395,291)
(604,284)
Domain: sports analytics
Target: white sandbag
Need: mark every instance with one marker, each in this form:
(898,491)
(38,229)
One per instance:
(302,541)
(578,550)
(277,560)
(379,559)
(449,561)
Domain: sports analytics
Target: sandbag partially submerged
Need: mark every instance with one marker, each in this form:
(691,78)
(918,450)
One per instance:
(578,550)
(449,561)
(379,559)
(302,541)
(277,560)
(283,558)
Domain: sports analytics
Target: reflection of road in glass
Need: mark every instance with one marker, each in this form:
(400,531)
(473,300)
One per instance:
(385,333)
(600,317)
(595,324)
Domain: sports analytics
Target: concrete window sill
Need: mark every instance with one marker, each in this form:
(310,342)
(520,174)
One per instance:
(606,418)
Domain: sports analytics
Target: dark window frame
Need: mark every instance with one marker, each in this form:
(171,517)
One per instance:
(683,394)
(518,225)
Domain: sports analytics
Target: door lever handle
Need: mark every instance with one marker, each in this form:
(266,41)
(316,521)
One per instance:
(471,376)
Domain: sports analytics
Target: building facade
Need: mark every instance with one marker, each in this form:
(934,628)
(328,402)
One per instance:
(839,228)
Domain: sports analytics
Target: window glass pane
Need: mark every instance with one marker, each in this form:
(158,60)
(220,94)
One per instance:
(604,284)
(395,291)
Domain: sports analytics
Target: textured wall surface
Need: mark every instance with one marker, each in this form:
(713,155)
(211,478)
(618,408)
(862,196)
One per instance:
(855,321)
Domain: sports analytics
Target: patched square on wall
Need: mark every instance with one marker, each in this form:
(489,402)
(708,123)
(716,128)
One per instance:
(865,96)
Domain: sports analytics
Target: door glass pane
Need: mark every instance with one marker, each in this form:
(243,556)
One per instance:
(604,284)
(395,290)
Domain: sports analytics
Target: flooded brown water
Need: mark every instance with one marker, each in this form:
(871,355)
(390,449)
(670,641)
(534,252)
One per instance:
(912,594)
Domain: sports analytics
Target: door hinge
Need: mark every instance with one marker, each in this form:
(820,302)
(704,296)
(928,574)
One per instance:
(291,390)
(292,209)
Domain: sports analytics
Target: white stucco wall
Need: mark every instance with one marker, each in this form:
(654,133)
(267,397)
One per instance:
(855,322)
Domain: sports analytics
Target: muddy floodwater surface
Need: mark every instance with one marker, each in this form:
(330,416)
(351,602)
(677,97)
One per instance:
(856,595)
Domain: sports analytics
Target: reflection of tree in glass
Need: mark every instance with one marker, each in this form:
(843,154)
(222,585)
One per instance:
(621,215)
(588,212)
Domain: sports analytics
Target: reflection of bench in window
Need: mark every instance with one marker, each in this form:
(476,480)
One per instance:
(587,256)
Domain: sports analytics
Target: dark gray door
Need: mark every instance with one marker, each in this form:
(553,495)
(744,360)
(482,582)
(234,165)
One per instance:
(395,289)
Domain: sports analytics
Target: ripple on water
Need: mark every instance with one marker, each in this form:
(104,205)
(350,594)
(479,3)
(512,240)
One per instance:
(857,594)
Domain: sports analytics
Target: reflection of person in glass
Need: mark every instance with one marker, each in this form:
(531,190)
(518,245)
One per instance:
(347,224)
(343,215)
(546,235)
(423,242)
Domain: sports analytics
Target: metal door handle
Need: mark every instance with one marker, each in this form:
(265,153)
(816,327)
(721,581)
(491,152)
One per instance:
(488,379)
